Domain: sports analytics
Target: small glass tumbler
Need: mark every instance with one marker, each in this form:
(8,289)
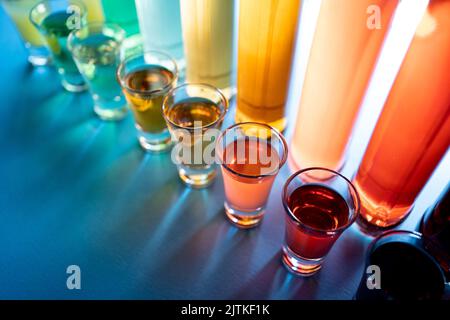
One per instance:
(194,114)
(251,155)
(55,19)
(146,77)
(96,50)
(317,212)
(19,11)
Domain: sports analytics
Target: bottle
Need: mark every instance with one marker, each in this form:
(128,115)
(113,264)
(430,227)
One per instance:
(267,30)
(160,25)
(413,131)
(343,55)
(208,42)
(435,225)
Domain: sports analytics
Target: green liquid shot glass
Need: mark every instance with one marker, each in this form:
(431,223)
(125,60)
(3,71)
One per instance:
(96,51)
(55,20)
(19,10)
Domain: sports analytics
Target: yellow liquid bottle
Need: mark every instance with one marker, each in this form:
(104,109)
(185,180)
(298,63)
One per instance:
(208,41)
(94,10)
(267,30)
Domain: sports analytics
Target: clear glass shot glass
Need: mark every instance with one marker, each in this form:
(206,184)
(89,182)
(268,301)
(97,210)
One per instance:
(96,50)
(317,213)
(194,114)
(19,11)
(56,19)
(251,155)
(146,77)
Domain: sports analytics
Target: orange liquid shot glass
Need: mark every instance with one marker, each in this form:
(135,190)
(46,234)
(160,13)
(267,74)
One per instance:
(343,55)
(413,132)
(251,155)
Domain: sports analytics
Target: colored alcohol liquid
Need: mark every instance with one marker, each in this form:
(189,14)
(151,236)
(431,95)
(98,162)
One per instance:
(208,41)
(194,111)
(97,58)
(146,104)
(56,31)
(343,55)
(413,131)
(19,10)
(316,207)
(193,114)
(160,26)
(246,173)
(123,13)
(265,48)
(94,10)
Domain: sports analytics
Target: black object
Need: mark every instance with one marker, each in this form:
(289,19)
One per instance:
(407,270)
(435,225)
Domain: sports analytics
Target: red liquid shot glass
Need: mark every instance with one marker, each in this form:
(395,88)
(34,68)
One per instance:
(317,212)
(251,155)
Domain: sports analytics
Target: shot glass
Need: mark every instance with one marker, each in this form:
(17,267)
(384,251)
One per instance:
(146,77)
(251,155)
(317,212)
(96,50)
(19,11)
(194,114)
(55,19)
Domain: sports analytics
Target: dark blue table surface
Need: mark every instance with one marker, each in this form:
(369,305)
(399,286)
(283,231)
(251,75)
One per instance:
(76,190)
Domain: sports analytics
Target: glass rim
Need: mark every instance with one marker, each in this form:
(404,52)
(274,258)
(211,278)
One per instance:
(73,34)
(46,2)
(312,229)
(260,124)
(123,63)
(204,85)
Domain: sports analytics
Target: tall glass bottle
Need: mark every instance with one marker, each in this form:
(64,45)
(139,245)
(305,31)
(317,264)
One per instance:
(343,55)
(208,41)
(413,131)
(123,13)
(435,225)
(19,11)
(160,26)
(94,10)
(267,31)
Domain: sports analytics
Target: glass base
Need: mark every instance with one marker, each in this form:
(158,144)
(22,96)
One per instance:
(111,114)
(376,217)
(244,219)
(294,166)
(38,56)
(74,87)
(373,230)
(155,142)
(279,124)
(197,180)
(298,265)
(39,61)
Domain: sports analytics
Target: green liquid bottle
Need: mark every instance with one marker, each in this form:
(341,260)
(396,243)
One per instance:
(123,13)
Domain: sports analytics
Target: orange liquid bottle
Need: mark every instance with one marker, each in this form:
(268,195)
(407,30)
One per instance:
(343,55)
(413,132)
(267,31)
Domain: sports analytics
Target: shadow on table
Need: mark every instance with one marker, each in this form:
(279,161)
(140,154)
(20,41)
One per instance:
(274,282)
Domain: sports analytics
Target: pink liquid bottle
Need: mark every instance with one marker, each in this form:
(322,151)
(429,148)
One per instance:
(343,55)
(413,131)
